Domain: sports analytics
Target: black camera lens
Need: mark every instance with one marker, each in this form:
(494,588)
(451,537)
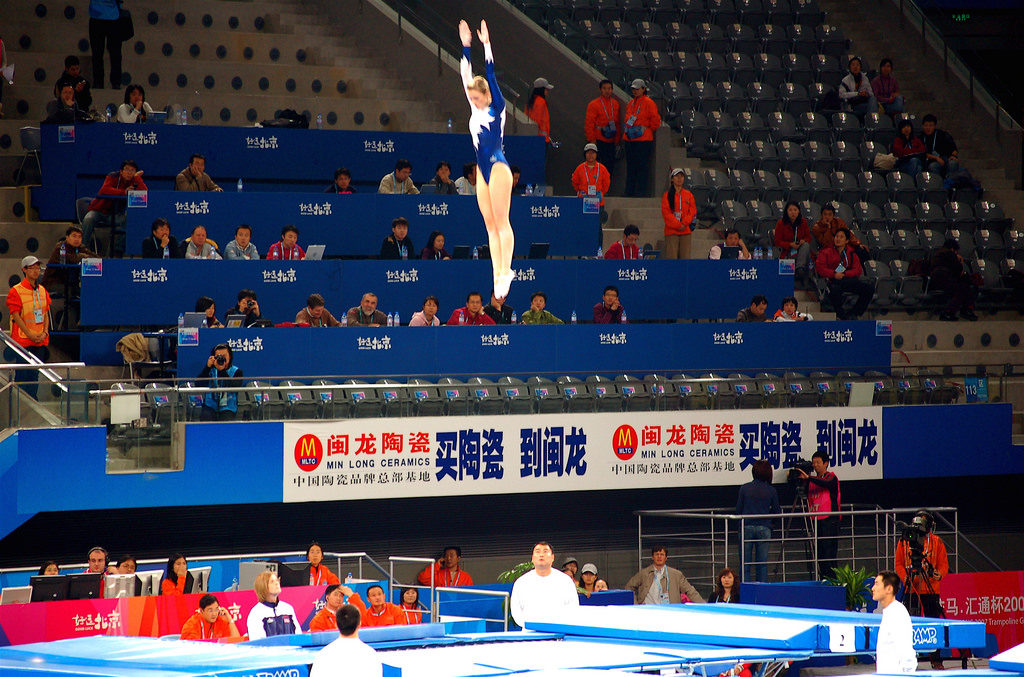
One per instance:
(221,359)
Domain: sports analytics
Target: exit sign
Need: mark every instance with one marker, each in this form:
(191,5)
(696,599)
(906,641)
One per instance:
(962,16)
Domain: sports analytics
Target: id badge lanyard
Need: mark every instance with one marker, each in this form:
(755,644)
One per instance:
(37,310)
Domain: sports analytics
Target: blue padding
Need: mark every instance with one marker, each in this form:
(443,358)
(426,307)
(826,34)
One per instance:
(540,349)
(266,159)
(154,292)
(405,632)
(805,594)
(1011,660)
(355,225)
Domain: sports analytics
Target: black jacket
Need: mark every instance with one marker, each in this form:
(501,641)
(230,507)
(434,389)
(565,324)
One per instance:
(151,249)
(82,98)
(940,143)
(389,249)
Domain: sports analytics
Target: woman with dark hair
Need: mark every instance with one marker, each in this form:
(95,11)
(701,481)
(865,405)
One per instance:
(127,565)
(537,107)
(588,579)
(49,568)
(757,497)
(134,109)
(435,248)
(318,573)
(887,90)
(428,316)
(176,576)
(727,588)
(793,238)
(908,149)
(411,606)
(678,209)
(220,372)
(856,92)
(204,304)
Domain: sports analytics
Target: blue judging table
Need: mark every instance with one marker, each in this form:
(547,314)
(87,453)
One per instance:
(77,157)
(496,351)
(355,225)
(155,291)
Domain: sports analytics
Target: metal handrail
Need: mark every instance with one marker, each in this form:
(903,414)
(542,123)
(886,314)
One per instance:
(33,362)
(470,591)
(420,560)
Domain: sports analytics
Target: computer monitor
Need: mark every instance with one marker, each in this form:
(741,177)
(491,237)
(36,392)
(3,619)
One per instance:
(315,252)
(19,595)
(200,580)
(120,585)
(293,574)
(149,582)
(49,588)
(539,250)
(194,320)
(85,586)
(234,321)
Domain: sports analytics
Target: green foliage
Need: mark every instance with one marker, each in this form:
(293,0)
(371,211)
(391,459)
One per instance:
(513,574)
(858,592)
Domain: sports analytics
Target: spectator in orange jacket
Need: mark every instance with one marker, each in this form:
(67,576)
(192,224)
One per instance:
(641,120)
(446,570)
(411,606)
(923,593)
(210,621)
(176,575)
(537,107)
(679,209)
(379,613)
(334,599)
(318,573)
(104,211)
(591,178)
(603,124)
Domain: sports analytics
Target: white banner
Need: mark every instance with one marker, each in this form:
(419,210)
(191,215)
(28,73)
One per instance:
(465,455)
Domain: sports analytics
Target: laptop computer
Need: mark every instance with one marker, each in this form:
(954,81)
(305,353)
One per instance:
(461,251)
(730,252)
(18,595)
(539,250)
(315,252)
(234,321)
(157,117)
(195,320)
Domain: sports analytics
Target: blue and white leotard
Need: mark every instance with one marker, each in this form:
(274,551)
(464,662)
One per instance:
(487,125)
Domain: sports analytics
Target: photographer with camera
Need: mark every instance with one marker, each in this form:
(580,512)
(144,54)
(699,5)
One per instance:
(249,306)
(921,562)
(823,497)
(220,372)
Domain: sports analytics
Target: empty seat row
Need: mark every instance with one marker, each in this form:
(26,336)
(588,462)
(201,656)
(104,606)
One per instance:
(896,285)
(781,13)
(769,39)
(737,67)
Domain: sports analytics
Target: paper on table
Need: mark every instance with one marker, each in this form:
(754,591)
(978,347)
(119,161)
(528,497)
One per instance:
(8,73)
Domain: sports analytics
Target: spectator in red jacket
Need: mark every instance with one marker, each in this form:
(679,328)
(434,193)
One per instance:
(678,209)
(627,247)
(537,107)
(840,265)
(603,124)
(591,178)
(104,211)
(908,149)
(471,313)
(642,120)
(793,238)
(447,570)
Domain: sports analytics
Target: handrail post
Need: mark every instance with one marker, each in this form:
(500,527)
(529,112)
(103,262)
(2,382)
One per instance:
(945,59)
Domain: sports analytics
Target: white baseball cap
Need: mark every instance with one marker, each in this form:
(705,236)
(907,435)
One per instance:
(29,261)
(542,82)
(638,84)
(677,170)
(590,146)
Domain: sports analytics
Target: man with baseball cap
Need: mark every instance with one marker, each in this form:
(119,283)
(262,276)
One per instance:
(641,120)
(591,178)
(28,303)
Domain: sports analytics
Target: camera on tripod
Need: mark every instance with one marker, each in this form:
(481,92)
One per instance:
(794,479)
(914,535)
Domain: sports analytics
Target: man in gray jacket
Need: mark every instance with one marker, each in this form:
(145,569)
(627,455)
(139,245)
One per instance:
(660,583)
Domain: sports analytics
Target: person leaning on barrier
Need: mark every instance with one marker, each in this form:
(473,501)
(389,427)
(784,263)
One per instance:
(755,311)
(659,583)
(315,314)
(161,244)
(73,253)
(342,184)
(195,178)
(220,372)
(366,313)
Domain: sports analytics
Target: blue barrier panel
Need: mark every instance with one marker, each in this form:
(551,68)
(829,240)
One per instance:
(355,225)
(153,292)
(76,157)
(401,351)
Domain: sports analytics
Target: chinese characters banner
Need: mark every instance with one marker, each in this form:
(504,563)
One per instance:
(992,597)
(446,456)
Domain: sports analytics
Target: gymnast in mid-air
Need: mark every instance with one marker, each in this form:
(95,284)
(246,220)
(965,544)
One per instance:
(494,178)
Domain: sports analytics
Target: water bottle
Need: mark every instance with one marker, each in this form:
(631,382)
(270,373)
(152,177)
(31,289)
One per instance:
(167,252)
(462,317)
(622,318)
(319,120)
(344,320)
(405,254)
(63,252)
(529,189)
(451,124)
(757,252)
(476,254)
(391,320)
(275,254)
(239,186)
(600,252)
(572,318)
(234,584)
(348,579)
(398,322)
(181,320)
(184,116)
(515,318)
(769,253)
(108,113)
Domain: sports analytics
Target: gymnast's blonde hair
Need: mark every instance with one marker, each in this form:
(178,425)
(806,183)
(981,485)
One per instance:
(479,84)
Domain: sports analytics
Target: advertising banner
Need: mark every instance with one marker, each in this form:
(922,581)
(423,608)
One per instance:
(450,456)
(992,597)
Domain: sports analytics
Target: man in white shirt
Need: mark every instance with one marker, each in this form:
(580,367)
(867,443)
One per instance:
(544,590)
(347,655)
(895,653)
